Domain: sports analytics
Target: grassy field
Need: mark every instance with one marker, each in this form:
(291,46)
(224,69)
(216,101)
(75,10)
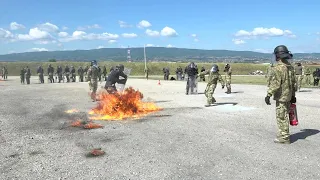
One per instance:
(155,69)
(137,67)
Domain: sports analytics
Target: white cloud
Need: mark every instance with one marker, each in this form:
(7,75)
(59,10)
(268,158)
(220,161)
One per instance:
(264,32)
(34,34)
(45,42)
(144,24)
(48,27)
(123,24)
(150,45)
(238,41)
(64,28)
(95,26)
(170,46)
(122,46)
(151,33)
(81,35)
(38,49)
(193,35)
(112,41)
(169,32)
(63,34)
(5,34)
(129,35)
(100,47)
(196,39)
(16,26)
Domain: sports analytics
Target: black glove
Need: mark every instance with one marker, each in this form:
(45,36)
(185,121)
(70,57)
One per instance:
(222,86)
(267,100)
(293,100)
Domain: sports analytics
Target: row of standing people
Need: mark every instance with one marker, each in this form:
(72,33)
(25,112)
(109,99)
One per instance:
(4,73)
(61,74)
(301,72)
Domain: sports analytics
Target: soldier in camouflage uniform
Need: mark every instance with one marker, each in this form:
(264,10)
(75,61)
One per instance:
(99,73)
(40,74)
(104,72)
(73,74)
(86,73)
(269,74)
(59,73)
(67,73)
(213,79)
(22,73)
(93,72)
(5,73)
(282,87)
(298,70)
(80,73)
(50,71)
(28,75)
(228,71)
(307,73)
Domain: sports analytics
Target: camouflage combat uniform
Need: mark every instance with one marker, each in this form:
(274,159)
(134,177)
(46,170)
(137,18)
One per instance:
(28,75)
(146,73)
(228,72)
(22,77)
(93,72)
(269,74)
(80,73)
(50,73)
(307,73)
(40,74)
(104,72)
(213,79)
(282,87)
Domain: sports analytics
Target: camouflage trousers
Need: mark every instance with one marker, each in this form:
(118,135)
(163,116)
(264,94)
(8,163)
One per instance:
(93,87)
(308,79)
(228,85)
(146,75)
(22,79)
(282,116)
(209,93)
(28,79)
(298,81)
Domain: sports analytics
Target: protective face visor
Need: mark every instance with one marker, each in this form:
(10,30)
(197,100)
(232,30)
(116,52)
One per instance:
(214,69)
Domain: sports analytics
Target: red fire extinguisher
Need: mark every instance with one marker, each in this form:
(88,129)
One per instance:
(293,115)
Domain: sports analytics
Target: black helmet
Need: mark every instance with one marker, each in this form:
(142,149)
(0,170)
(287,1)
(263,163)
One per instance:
(215,68)
(120,67)
(192,65)
(282,52)
(93,62)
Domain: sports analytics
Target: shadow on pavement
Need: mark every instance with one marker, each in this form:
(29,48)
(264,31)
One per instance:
(162,101)
(236,92)
(303,134)
(217,104)
(305,91)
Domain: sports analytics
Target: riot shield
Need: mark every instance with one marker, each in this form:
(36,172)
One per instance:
(193,85)
(122,83)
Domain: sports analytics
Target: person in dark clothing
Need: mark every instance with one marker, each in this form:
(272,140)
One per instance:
(192,71)
(114,77)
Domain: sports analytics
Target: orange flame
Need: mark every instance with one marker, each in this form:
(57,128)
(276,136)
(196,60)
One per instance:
(121,106)
(71,111)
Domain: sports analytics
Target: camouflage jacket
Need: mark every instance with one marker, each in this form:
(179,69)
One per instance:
(93,73)
(228,74)
(269,71)
(282,84)
(214,77)
(307,71)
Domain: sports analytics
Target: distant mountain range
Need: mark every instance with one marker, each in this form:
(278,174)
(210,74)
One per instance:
(153,54)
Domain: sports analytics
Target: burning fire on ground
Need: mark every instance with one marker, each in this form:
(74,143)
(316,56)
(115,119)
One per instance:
(71,111)
(118,106)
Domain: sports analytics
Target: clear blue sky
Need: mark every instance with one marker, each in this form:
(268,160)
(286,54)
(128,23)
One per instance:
(255,25)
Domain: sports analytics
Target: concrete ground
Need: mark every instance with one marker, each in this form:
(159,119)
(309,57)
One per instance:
(231,140)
